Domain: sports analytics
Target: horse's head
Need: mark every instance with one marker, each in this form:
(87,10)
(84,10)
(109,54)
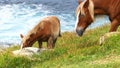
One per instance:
(85,16)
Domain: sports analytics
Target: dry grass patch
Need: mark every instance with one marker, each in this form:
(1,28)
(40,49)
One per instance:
(107,60)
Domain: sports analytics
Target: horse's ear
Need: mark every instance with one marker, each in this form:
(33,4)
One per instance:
(86,4)
(21,36)
(79,1)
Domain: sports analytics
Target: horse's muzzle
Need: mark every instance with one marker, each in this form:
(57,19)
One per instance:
(80,32)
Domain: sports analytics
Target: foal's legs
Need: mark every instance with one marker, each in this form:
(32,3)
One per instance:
(54,43)
(114,25)
(40,43)
(50,43)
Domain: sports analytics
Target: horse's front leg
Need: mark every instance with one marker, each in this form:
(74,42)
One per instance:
(114,25)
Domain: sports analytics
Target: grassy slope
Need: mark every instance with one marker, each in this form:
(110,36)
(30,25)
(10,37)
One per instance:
(71,52)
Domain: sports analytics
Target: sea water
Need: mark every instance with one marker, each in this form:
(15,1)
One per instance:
(19,16)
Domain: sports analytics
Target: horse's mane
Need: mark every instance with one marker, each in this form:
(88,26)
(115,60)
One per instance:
(91,8)
(80,9)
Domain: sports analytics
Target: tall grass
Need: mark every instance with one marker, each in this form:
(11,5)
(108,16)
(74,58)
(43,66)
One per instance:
(71,51)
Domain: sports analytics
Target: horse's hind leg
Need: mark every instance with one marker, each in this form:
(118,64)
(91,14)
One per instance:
(114,25)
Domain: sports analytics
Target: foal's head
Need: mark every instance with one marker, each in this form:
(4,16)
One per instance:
(26,41)
(85,16)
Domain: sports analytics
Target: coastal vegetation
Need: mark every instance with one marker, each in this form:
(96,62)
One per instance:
(70,51)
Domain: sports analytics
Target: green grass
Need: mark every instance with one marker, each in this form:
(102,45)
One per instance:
(71,51)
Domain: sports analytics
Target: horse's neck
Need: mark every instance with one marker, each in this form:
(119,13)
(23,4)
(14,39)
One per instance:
(101,6)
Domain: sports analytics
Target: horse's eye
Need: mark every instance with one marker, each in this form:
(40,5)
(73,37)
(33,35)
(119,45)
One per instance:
(82,15)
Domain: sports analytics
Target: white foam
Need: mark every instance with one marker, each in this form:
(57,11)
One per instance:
(18,18)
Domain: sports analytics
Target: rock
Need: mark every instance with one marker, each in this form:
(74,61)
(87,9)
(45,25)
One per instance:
(28,51)
(107,35)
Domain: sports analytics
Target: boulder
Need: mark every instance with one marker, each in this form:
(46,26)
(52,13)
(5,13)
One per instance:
(28,51)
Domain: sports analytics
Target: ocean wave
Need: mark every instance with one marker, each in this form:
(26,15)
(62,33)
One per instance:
(20,18)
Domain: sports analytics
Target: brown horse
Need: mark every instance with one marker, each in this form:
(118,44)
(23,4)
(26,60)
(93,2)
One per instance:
(88,8)
(47,30)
